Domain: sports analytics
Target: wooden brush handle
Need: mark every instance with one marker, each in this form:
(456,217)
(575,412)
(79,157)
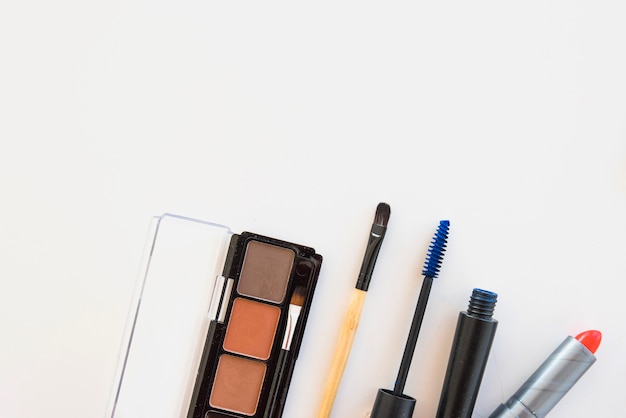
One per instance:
(342,352)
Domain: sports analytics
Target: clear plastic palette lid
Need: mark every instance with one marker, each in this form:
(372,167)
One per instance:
(169,318)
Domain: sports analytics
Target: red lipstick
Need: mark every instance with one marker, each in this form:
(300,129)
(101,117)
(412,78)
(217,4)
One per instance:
(553,379)
(590,339)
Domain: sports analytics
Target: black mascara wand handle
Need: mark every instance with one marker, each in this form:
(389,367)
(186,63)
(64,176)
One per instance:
(409,349)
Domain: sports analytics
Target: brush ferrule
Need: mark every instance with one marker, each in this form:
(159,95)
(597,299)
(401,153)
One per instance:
(371,254)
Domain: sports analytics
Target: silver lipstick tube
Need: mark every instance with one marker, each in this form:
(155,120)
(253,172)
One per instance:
(549,383)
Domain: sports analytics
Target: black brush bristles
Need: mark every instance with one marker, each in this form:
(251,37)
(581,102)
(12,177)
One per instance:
(377,233)
(383,211)
(436,250)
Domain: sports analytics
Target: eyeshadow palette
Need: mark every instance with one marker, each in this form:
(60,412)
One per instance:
(217,323)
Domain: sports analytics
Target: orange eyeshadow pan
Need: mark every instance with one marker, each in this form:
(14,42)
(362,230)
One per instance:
(251,328)
(237,385)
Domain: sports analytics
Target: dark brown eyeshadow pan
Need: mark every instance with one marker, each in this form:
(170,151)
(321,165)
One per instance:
(265,272)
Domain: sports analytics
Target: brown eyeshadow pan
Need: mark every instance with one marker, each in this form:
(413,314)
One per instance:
(237,384)
(251,328)
(265,272)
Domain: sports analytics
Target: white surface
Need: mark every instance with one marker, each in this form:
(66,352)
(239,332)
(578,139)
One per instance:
(295,121)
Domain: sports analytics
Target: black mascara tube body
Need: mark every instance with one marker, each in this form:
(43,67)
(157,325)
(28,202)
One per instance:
(474,335)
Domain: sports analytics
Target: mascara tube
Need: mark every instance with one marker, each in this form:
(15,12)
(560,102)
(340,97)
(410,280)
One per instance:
(475,331)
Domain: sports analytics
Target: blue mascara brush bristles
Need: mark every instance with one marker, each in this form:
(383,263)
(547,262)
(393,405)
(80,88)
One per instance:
(436,250)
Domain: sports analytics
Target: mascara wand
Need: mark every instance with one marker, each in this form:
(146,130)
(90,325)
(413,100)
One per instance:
(394,404)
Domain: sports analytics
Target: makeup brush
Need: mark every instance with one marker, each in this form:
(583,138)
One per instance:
(277,401)
(351,321)
(394,404)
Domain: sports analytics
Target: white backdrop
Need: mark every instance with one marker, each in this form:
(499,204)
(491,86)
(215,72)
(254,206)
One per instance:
(294,121)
